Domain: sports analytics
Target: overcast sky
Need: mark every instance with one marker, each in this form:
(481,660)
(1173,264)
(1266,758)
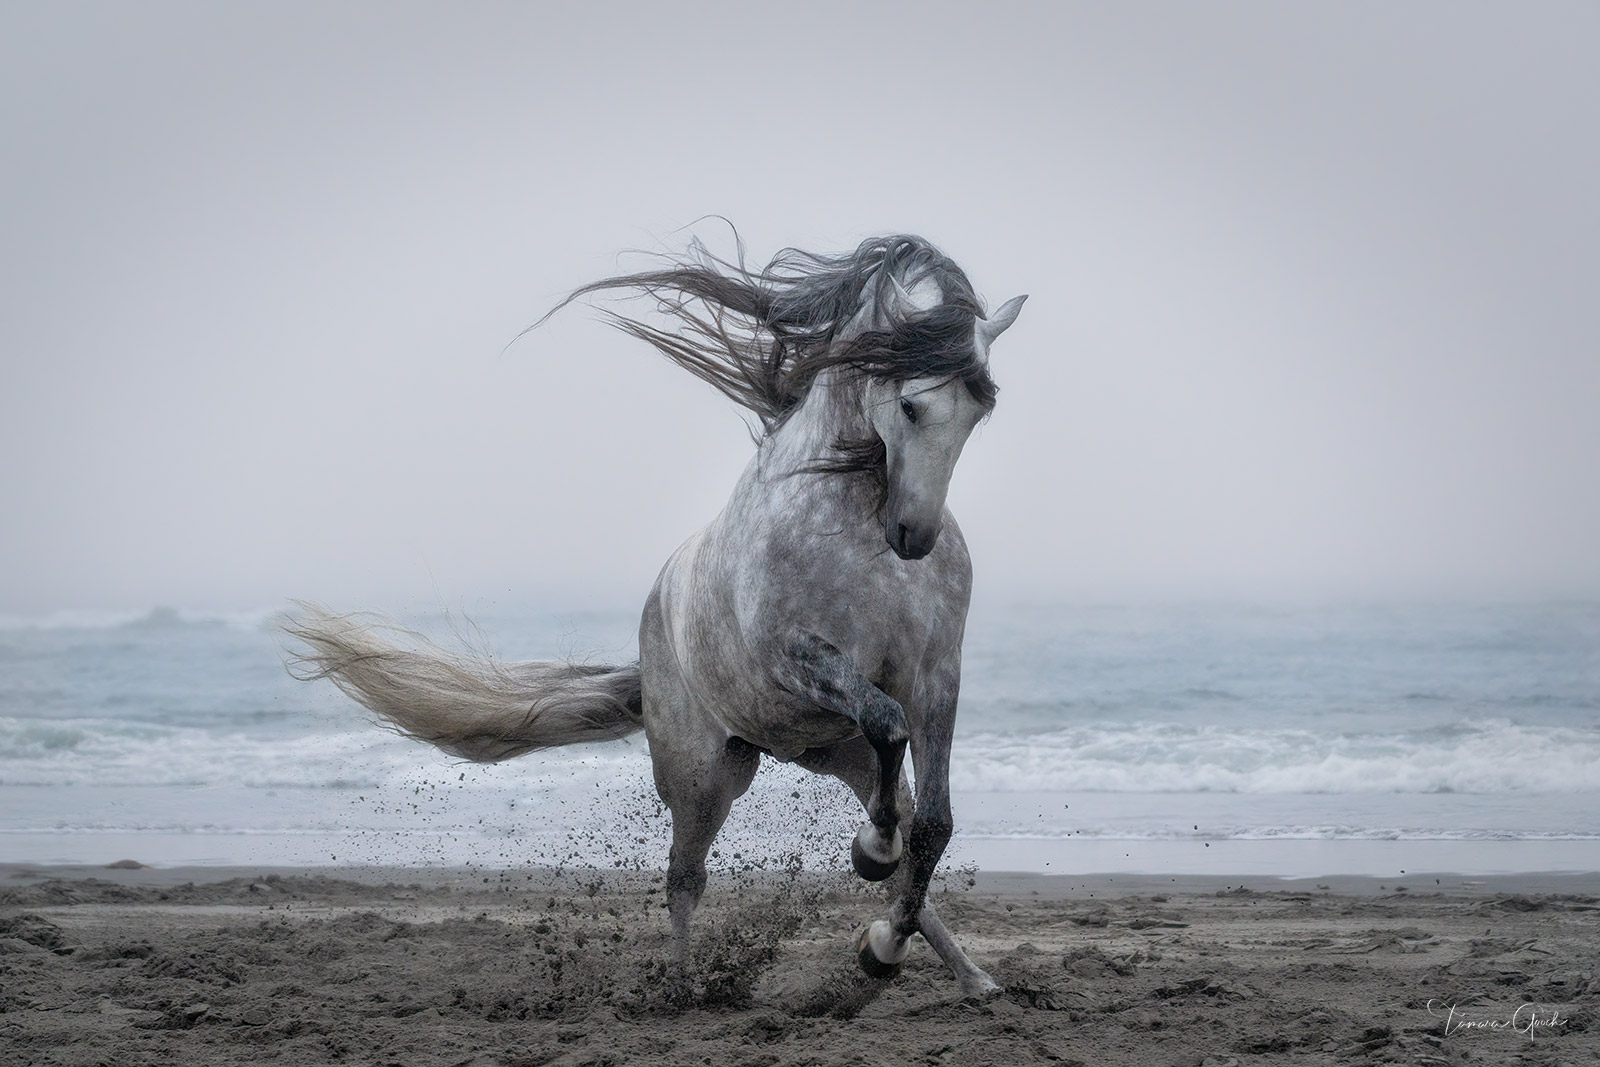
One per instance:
(1315,289)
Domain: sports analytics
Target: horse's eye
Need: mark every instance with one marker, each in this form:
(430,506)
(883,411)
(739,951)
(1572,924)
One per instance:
(905,406)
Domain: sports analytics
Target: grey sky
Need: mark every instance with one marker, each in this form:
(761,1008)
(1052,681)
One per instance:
(1314,289)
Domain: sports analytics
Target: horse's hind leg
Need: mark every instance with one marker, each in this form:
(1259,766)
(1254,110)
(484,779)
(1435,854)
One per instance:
(699,771)
(855,764)
(973,980)
(699,792)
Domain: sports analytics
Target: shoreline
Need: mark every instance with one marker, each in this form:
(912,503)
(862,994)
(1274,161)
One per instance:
(1046,887)
(582,842)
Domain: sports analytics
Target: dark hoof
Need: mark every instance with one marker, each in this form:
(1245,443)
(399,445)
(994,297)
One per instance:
(867,867)
(871,964)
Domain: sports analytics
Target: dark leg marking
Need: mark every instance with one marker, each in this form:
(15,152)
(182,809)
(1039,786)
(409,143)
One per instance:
(817,670)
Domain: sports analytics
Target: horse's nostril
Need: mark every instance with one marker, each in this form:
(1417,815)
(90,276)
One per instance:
(902,537)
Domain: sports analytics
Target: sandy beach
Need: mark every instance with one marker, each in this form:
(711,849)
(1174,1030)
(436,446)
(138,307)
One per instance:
(523,968)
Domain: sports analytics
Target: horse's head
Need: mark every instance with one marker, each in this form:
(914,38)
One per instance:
(896,317)
(923,423)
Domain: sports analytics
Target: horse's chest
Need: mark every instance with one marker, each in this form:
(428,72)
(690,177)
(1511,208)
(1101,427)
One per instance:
(737,597)
(741,682)
(738,681)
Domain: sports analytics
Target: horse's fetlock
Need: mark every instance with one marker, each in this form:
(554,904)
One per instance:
(904,920)
(688,883)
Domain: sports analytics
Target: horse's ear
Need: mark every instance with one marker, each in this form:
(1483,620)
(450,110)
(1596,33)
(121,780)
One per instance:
(887,298)
(988,329)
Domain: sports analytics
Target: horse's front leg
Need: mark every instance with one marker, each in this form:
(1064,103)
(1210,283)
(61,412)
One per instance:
(855,764)
(815,669)
(884,945)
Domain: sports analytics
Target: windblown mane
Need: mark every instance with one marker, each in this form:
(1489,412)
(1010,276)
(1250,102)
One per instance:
(762,336)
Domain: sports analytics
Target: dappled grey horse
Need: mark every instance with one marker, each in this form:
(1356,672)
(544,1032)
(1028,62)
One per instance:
(818,618)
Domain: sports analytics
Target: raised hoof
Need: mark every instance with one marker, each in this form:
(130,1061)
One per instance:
(869,866)
(869,961)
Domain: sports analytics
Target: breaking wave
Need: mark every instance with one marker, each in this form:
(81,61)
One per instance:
(1484,756)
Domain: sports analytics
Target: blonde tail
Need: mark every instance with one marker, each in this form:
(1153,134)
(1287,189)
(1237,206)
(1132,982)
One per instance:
(470,706)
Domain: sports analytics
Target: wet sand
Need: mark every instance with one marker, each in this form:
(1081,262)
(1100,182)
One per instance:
(523,968)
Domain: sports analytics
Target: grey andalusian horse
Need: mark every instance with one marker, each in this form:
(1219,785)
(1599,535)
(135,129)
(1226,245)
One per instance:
(818,618)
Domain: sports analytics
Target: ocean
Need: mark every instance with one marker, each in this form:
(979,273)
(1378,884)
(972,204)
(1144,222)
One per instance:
(1198,739)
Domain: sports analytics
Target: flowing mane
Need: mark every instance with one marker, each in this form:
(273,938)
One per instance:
(761,336)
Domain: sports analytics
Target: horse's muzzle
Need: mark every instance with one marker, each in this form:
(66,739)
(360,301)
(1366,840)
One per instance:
(911,543)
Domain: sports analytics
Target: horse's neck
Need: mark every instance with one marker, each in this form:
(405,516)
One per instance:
(832,411)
